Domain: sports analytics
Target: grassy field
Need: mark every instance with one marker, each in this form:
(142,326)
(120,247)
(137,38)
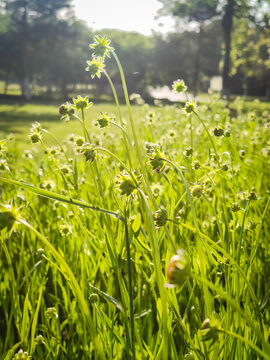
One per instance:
(142,236)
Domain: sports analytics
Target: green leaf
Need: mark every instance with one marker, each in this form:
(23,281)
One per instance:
(59,197)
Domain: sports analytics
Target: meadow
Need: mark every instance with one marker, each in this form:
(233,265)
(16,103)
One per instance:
(135,232)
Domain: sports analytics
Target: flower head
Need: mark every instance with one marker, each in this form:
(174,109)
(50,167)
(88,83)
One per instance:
(104,120)
(66,111)
(160,217)
(189,107)
(21,355)
(81,103)
(101,47)
(125,184)
(179,86)
(95,67)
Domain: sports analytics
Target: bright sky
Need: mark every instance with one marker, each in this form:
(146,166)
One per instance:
(130,15)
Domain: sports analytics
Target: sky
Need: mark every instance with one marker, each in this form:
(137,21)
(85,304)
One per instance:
(129,15)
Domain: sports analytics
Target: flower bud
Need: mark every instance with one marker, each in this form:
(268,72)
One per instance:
(93,298)
(218,131)
(178,268)
(197,190)
(21,355)
(160,217)
(235,207)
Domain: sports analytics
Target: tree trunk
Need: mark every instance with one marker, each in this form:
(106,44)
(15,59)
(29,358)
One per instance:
(25,88)
(197,64)
(268,86)
(227,23)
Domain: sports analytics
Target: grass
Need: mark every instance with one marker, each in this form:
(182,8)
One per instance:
(90,248)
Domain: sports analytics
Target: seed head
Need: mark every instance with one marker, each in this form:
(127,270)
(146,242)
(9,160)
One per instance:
(197,190)
(104,120)
(178,268)
(160,217)
(189,107)
(179,86)
(101,47)
(35,137)
(81,103)
(235,207)
(95,67)
(218,131)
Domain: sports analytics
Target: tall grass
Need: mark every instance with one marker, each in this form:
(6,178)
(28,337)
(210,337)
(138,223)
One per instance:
(91,228)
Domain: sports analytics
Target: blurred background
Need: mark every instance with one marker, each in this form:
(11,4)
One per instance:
(223,45)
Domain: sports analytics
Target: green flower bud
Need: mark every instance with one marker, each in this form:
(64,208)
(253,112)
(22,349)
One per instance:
(178,268)
(188,151)
(160,217)
(81,103)
(196,165)
(95,67)
(104,120)
(101,47)
(218,131)
(35,137)
(93,298)
(189,108)
(79,141)
(197,190)
(235,207)
(224,167)
(227,133)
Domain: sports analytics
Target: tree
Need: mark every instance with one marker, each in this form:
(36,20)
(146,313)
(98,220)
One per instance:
(198,12)
(22,16)
(210,10)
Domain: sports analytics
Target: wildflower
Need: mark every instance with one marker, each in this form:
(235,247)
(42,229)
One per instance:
(160,217)
(235,207)
(242,153)
(93,298)
(157,189)
(189,107)
(101,47)
(218,131)
(157,157)
(178,269)
(53,151)
(3,148)
(81,103)
(251,195)
(66,110)
(88,150)
(227,133)
(224,167)
(65,229)
(95,67)
(51,312)
(3,165)
(179,86)
(39,340)
(79,141)
(104,120)
(196,165)
(126,184)
(35,137)
(188,151)
(197,190)
(48,185)
(65,169)
(36,127)
(21,355)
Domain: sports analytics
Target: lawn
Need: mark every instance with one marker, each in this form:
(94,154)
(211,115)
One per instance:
(144,237)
